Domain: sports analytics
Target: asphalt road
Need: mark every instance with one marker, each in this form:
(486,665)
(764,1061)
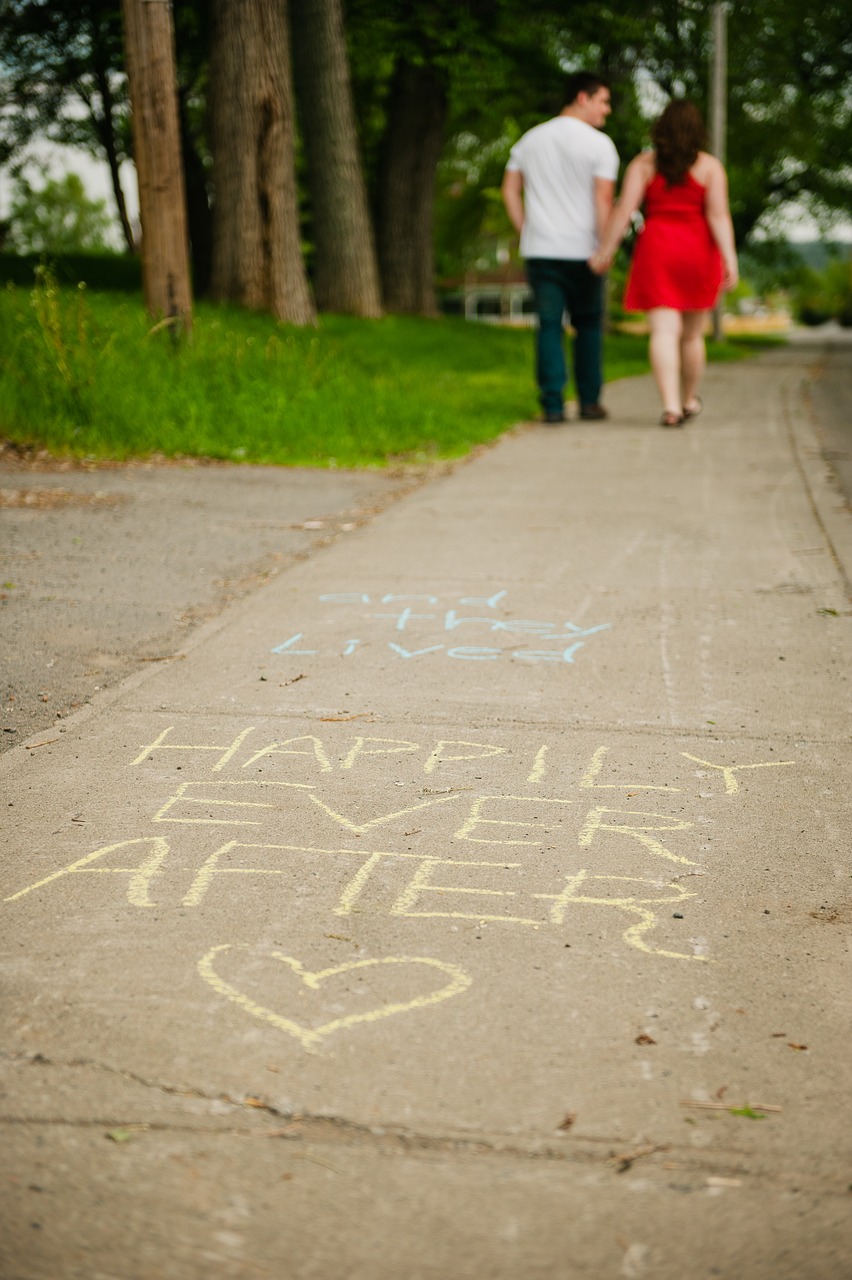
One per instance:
(106,569)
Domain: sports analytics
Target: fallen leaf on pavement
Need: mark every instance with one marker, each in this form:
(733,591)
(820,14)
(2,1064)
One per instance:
(624,1161)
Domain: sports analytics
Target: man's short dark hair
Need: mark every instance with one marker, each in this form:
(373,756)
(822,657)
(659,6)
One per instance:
(582,82)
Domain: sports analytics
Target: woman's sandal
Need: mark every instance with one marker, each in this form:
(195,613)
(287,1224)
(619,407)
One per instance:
(693,413)
(672,419)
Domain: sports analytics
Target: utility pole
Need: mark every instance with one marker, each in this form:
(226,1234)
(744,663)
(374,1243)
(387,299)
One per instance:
(150,53)
(719,109)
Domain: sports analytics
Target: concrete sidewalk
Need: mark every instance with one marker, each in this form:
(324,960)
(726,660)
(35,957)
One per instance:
(473,899)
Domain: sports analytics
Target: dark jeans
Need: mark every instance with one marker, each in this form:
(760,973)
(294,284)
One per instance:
(560,285)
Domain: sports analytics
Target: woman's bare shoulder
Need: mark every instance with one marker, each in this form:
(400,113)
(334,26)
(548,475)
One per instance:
(706,167)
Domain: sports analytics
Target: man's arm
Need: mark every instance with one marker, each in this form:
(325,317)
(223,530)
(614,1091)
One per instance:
(604,199)
(512,192)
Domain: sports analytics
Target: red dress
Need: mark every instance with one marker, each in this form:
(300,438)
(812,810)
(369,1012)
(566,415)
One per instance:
(676,262)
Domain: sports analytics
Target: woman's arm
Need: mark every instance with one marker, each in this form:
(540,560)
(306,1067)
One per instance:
(718,213)
(636,178)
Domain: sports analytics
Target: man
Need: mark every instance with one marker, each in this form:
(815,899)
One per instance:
(558,189)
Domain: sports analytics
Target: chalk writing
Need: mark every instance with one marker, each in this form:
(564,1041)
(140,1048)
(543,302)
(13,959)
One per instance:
(546,858)
(318,756)
(140,876)
(311,1037)
(412,618)
(732,785)
(418,896)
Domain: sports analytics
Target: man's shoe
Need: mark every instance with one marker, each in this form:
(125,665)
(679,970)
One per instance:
(553,416)
(593,412)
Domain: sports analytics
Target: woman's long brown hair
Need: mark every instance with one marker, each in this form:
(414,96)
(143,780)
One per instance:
(678,136)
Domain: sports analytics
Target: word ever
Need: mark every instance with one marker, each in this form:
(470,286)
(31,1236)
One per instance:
(404,617)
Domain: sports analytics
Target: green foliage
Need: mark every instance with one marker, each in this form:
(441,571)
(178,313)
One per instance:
(63,356)
(789,76)
(789,105)
(100,271)
(56,217)
(512,81)
(85,374)
(824,295)
(55,55)
(771,265)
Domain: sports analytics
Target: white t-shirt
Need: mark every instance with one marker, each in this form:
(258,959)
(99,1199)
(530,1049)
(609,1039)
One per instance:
(559,161)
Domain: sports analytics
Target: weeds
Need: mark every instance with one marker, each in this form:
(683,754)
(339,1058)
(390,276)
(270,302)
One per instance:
(63,357)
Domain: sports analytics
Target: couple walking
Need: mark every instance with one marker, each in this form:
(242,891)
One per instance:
(559,192)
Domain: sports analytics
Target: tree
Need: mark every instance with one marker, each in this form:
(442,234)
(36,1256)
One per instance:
(404,53)
(62,74)
(345,275)
(192,36)
(790,96)
(257,258)
(56,217)
(165,244)
(413,143)
(436,78)
(54,59)
(499,92)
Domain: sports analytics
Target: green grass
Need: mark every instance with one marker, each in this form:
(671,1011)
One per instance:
(84,375)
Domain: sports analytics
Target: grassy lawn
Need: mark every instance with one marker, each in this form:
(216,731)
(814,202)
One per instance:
(83,374)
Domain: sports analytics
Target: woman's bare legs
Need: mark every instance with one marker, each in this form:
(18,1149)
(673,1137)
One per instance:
(693,358)
(664,348)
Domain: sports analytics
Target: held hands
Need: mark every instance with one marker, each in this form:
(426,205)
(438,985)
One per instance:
(600,263)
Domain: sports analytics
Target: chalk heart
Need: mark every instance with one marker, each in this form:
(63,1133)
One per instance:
(455,981)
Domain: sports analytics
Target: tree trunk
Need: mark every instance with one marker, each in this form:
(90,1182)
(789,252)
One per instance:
(346,275)
(151,77)
(257,256)
(198,210)
(416,116)
(105,129)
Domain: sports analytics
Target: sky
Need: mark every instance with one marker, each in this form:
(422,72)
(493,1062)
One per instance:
(95,176)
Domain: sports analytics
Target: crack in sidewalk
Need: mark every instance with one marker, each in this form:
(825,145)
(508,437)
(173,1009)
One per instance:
(389,1139)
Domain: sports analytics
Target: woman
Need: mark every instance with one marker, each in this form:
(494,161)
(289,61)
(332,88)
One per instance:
(684,256)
